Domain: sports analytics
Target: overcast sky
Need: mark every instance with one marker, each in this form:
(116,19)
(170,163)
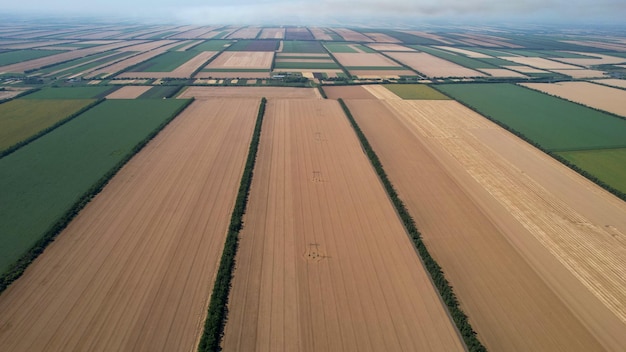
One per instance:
(328,11)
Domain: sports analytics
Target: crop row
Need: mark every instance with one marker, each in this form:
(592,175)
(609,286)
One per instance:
(437,275)
(218,310)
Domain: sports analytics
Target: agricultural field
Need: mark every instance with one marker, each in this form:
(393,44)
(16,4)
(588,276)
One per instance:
(242,60)
(93,92)
(254,45)
(415,92)
(128,92)
(298,33)
(12,57)
(172,64)
(310,167)
(585,93)
(42,180)
(608,165)
(537,116)
(23,118)
(138,260)
(305,47)
(446,159)
(433,66)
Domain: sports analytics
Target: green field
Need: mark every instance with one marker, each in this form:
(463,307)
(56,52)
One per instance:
(457,59)
(339,48)
(378,68)
(91,92)
(12,57)
(166,62)
(22,118)
(42,180)
(553,123)
(160,92)
(415,92)
(300,46)
(307,65)
(82,64)
(211,45)
(608,165)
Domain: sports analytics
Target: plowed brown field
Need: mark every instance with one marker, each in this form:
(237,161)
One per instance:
(502,220)
(324,263)
(135,269)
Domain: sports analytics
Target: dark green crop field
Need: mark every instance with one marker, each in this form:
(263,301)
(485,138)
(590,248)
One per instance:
(553,123)
(91,92)
(41,181)
(12,57)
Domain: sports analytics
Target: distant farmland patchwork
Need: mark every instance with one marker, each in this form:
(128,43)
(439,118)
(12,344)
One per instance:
(122,147)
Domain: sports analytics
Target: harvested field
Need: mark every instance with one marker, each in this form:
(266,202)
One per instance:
(245,33)
(589,94)
(190,44)
(433,66)
(501,72)
(382,38)
(525,69)
(201,93)
(382,73)
(135,269)
(351,36)
(540,62)
(8,94)
(255,45)
(497,249)
(320,34)
(128,92)
(126,63)
(468,53)
(381,93)
(430,36)
(614,82)
(272,33)
(347,92)
(183,71)
(389,47)
(232,74)
(243,59)
(149,45)
(600,59)
(581,73)
(364,59)
(309,280)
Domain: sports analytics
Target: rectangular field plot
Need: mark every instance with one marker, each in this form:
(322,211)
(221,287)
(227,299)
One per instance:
(242,60)
(501,216)
(41,180)
(22,118)
(92,92)
(608,165)
(298,46)
(12,57)
(433,66)
(553,123)
(415,92)
(324,263)
(255,45)
(135,269)
(593,95)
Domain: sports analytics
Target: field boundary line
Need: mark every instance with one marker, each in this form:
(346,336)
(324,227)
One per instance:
(17,269)
(434,269)
(218,306)
(47,130)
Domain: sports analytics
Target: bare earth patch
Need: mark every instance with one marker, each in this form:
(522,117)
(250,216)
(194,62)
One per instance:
(433,66)
(128,92)
(243,59)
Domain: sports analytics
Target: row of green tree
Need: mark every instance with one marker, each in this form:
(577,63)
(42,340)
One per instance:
(17,269)
(218,306)
(437,275)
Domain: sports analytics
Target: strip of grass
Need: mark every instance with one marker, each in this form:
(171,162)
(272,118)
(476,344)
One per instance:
(433,268)
(47,182)
(554,124)
(22,118)
(608,165)
(166,62)
(91,92)
(12,57)
(216,316)
(211,45)
(300,46)
(339,48)
(457,59)
(307,65)
(416,92)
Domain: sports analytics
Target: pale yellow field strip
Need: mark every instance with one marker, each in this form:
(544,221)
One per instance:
(98,35)
(501,72)
(201,93)
(429,36)
(320,34)
(128,92)
(287,59)
(382,38)
(245,33)
(540,62)
(243,59)
(433,66)
(380,92)
(620,83)
(351,36)
(120,65)
(600,59)
(194,33)
(135,269)
(593,95)
(128,81)
(601,45)
(389,47)
(324,263)
(82,63)
(148,46)
(584,73)
(524,69)
(190,44)
(467,53)
(590,251)
(36,44)
(272,33)
(364,59)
